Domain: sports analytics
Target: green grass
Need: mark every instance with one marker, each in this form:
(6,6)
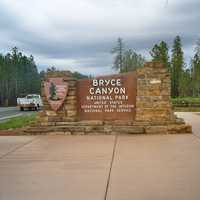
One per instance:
(17,122)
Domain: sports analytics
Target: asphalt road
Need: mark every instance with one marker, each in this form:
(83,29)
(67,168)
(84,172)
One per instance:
(10,112)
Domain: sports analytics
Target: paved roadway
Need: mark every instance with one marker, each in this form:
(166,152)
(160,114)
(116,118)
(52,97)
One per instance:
(10,112)
(126,167)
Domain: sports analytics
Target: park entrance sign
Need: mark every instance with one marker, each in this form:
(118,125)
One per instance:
(56,91)
(107,98)
(135,102)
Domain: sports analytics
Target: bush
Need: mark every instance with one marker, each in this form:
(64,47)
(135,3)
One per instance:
(186,102)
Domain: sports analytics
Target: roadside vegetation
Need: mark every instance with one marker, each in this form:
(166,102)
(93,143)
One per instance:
(187,104)
(19,74)
(17,122)
(185,77)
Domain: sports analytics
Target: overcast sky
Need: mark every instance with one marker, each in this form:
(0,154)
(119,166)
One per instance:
(78,35)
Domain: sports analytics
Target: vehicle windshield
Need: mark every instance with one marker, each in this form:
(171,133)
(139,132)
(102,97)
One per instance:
(32,97)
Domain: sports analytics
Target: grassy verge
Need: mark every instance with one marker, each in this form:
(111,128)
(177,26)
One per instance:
(186,102)
(17,122)
(186,109)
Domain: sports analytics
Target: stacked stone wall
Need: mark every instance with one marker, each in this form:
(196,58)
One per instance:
(153,94)
(67,111)
(154,113)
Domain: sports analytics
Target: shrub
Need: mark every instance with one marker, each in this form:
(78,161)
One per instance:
(186,102)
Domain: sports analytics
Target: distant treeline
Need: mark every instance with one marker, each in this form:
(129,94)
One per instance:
(75,74)
(185,80)
(18,76)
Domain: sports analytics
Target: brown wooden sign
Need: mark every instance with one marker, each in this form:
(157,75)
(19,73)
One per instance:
(107,97)
(56,91)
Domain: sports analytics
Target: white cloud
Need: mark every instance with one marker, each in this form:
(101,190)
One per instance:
(80,33)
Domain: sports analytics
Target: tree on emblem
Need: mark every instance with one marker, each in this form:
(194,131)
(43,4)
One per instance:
(52,92)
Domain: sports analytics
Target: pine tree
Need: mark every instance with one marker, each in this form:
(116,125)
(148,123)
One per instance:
(18,75)
(132,61)
(177,65)
(52,91)
(118,51)
(196,70)
(126,60)
(185,83)
(160,53)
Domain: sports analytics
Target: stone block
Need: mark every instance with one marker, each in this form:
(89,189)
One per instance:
(78,133)
(57,133)
(179,128)
(72,83)
(156,130)
(69,78)
(71,113)
(75,128)
(71,98)
(70,119)
(128,129)
(44,123)
(70,107)
(41,114)
(107,129)
(67,133)
(72,93)
(95,133)
(121,122)
(71,102)
(90,123)
(55,118)
(89,129)
(42,119)
(50,113)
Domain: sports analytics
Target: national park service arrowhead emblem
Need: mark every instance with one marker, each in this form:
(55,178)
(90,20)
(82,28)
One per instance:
(56,91)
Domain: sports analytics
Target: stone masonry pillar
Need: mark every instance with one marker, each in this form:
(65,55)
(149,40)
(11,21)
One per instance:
(153,94)
(68,110)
